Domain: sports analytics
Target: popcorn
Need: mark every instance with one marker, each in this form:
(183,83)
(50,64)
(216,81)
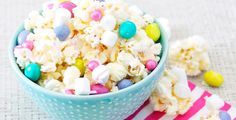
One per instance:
(171,93)
(70,74)
(23,56)
(190,54)
(54,85)
(117,71)
(70,55)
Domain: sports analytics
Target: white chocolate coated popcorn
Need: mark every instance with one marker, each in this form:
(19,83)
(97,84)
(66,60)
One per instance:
(117,71)
(171,93)
(190,54)
(101,74)
(70,74)
(54,85)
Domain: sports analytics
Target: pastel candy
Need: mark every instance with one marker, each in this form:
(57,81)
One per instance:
(151,65)
(99,89)
(101,74)
(82,86)
(109,38)
(124,84)
(181,90)
(62,16)
(92,64)
(153,31)
(127,29)
(28,44)
(70,91)
(224,115)
(79,63)
(32,71)
(108,22)
(213,79)
(96,15)
(22,37)
(62,32)
(69,6)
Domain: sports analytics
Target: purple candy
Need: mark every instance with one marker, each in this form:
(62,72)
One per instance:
(124,84)
(224,115)
(22,37)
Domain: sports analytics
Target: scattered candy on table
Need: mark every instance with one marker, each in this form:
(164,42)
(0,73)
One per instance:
(88,47)
(213,78)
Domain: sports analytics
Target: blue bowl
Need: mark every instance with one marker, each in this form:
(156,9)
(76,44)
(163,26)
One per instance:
(111,106)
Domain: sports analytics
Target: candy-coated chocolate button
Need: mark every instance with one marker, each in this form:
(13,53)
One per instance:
(62,32)
(92,65)
(224,115)
(96,15)
(99,89)
(28,44)
(213,79)
(153,31)
(22,37)
(127,29)
(32,71)
(124,84)
(151,65)
(79,63)
(69,6)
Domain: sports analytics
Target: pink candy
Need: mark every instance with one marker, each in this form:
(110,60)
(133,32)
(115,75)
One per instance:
(92,65)
(96,15)
(151,65)
(69,6)
(99,89)
(70,91)
(28,44)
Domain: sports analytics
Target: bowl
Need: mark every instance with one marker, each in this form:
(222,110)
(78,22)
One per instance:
(111,106)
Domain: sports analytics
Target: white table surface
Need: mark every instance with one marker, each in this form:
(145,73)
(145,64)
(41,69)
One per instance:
(215,20)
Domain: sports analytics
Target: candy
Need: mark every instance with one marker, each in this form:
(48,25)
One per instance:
(213,79)
(101,74)
(32,71)
(153,31)
(62,32)
(62,16)
(127,29)
(69,6)
(92,65)
(224,115)
(108,22)
(22,37)
(79,63)
(109,38)
(181,90)
(99,89)
(124,84)
(82,86)
(151,65)
(28,44)
(70,91)
(96,15)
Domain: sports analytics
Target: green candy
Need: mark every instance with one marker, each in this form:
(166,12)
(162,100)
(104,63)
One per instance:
(127,29)
(32,71)
(79,63)
(153,31)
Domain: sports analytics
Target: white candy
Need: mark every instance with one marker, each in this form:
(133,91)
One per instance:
(62,16)
(101,74)
(109,38)
(108,22)
(82,86)
(181,75)
(214,102)
(70,74)
(181,90)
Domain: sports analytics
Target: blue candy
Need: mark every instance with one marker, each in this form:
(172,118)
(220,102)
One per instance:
(224,115)
(32,71)
(127,29)
(124,84)
(62,32)
(22,37)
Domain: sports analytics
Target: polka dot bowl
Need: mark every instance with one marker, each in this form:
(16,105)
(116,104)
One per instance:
(111,106)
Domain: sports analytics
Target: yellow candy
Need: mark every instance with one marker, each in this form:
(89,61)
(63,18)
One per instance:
(213,79)
(153,31)
(63,0)
(79,63)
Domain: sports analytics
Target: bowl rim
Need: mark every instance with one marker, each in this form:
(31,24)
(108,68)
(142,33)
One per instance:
(86,97)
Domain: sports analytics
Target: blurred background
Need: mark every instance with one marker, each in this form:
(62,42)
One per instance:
(215,20)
